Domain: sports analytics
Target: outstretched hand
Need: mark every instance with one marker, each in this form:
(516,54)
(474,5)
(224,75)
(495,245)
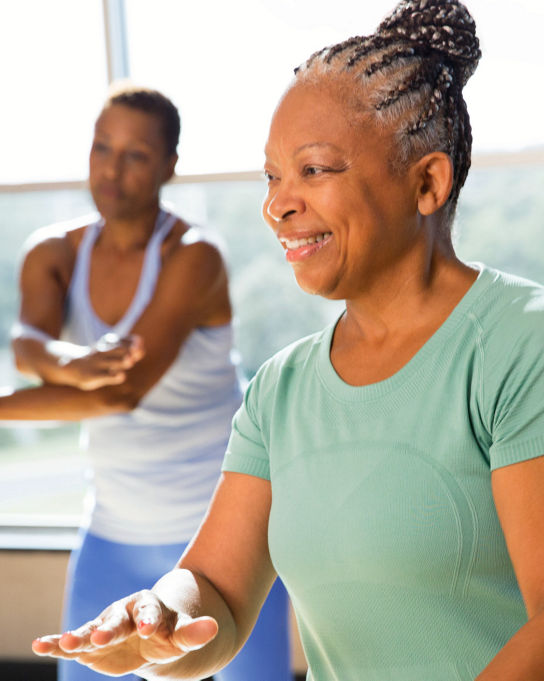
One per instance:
(131,634)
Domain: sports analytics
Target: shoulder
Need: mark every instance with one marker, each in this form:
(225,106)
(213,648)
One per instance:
(191,248)
(55,244)
(510,309)
(511,320)
(292,363)
(510,317)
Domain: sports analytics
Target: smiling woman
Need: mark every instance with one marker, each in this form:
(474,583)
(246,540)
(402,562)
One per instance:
(320,192)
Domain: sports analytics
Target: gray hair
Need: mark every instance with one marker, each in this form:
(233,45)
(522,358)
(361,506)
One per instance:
(411,72)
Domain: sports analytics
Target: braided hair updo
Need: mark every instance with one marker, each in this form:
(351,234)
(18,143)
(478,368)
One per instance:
(409,77)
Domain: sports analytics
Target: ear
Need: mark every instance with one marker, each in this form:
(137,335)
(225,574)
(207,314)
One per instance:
(170,167)
(435,180)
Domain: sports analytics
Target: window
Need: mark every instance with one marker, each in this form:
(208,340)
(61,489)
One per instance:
(53,76)
(225,65)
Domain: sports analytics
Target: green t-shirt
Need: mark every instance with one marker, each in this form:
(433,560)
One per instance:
(383,525)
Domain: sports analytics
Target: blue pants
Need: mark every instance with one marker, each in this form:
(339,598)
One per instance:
(101,572)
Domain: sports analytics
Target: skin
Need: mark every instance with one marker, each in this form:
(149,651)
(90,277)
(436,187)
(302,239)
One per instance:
(385,253)
(382,252)
(128,165)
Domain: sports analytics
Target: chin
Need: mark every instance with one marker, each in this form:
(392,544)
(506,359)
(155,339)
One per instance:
(324,289)
(113,211)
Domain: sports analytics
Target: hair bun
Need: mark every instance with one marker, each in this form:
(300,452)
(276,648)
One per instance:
(444,26)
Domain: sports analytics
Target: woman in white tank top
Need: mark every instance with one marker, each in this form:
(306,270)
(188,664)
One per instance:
(127,321)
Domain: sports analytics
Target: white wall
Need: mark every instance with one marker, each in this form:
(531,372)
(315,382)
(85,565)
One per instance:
(31,590)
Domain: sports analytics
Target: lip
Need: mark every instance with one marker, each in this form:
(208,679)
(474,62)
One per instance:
(110,191)
(304,251)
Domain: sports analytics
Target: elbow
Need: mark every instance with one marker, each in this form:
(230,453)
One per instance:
(21,363)
(17,355)
(120,399)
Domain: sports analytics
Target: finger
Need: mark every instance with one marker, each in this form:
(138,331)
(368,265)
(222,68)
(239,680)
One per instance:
(122,358)
(114,628)
(147,614)
(195,634)
(114,631)
(116,377)
(79,639)
(109,374)
(137,348)
(50,646)
(118,358)
(103,379)
(45,645)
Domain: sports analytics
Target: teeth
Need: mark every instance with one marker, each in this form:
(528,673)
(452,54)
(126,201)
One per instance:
(297,243)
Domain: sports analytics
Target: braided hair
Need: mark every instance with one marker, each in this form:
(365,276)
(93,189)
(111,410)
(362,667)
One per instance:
(411,72)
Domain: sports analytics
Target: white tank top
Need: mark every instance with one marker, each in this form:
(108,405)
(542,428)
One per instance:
(154,469)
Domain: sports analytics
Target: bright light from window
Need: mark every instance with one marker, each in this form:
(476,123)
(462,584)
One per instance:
(53,78)
(226,63)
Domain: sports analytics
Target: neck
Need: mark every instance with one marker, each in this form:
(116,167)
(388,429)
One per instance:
(127,234)
(415,294)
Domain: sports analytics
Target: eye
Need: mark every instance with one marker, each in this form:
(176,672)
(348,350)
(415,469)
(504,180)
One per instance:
(99,147)
(268,176)
(316,171)
(136,156)
(311,171)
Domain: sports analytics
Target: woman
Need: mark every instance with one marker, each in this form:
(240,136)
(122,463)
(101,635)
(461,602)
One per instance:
(390,468)
(127,321)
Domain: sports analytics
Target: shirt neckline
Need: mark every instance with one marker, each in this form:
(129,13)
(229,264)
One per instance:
(343,391)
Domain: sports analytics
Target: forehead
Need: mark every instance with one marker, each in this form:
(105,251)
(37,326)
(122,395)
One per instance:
(127,123)
(316,113)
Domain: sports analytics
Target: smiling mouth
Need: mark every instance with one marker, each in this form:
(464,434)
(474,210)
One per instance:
(292,244)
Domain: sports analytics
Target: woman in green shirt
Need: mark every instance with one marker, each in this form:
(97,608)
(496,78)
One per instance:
(390,468)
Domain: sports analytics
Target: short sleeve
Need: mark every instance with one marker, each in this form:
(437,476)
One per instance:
(246,451)
(515,388)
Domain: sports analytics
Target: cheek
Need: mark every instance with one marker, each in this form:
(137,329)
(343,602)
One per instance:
(143,179)
(93,165)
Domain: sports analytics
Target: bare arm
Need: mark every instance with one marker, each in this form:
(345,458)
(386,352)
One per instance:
(519,497)
(80,366)
(43,280)
(212,598)
(192,291)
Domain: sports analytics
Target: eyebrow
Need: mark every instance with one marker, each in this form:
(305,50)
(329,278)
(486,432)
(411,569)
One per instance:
(310,145)
(108,136)
(316,144)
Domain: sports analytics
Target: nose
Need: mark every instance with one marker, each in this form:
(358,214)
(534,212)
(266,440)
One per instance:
(270,211)
(283,203)
(113,165)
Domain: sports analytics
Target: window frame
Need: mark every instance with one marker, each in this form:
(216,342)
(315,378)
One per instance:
(60,532)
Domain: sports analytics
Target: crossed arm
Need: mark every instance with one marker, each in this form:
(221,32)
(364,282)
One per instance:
(82,382)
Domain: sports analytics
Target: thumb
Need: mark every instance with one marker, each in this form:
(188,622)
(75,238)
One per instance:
(196,633)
